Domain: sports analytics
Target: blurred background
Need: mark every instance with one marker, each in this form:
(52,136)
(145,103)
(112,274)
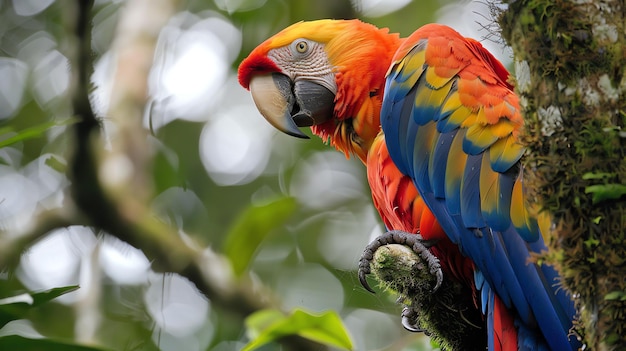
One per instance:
(216,158)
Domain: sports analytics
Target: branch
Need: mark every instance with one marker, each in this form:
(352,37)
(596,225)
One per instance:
(12,245)
(117,203)
(448,315)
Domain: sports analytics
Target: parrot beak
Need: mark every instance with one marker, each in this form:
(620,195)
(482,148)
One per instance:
(287,106)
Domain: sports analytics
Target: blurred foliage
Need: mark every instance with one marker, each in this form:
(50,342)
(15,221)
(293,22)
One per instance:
(267,325)
(16,307)
(251,229)
(296,222)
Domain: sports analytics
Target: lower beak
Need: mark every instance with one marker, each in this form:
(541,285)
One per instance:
(287,106)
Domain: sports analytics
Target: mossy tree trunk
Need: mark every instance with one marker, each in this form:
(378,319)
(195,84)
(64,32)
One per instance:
(570,65)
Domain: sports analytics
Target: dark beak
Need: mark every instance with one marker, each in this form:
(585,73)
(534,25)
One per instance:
(287,106)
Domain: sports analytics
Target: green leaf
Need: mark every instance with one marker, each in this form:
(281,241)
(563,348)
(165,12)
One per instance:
(16,307)
(602,192)
(56,164)
(270,325)
(17,342)
(612,339)
(591,243)
(31,132)
(259,321)
(252,227)
(615,295)
(600,175)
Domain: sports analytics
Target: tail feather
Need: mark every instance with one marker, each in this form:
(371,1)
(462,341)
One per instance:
(504,332)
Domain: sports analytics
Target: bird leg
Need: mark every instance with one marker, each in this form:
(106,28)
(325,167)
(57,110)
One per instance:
(415,242)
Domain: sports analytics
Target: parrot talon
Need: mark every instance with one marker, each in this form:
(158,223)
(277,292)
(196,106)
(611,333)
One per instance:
(363,279)
(414,241)
(409,320)
(364,266)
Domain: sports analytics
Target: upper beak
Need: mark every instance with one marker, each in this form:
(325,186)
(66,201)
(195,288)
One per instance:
(287,106)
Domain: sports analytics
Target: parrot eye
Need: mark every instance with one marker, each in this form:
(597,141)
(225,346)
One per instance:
(302,46)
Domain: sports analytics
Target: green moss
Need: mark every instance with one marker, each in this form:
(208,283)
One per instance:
(449,315)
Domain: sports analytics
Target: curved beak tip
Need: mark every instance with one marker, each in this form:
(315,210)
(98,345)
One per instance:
(277,97)
(273,98)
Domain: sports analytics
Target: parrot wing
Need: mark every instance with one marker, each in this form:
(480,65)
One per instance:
(451,122)
(402,208)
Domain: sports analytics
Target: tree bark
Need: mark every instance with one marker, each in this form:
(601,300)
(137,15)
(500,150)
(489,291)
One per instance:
(570,78)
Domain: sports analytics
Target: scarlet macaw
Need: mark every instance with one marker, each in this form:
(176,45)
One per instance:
(446,164)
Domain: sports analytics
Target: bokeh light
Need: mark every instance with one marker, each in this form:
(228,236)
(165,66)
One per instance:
(326,179)
(192,63)
(175,304)
(123,263)
(374,328)
(30,7)
(378,8)
(51,77)
(14,74)
(56,260)
(235,146)
(300,288)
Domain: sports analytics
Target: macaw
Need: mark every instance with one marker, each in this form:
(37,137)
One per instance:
(436,122)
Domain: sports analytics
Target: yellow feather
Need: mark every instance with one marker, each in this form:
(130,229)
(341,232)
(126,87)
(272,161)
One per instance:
(505,151)
(489,186)
(435,81)
(460,115)
(415,62)
(501,129)
(427,96)
(455,166)
(480,135)
(520,216)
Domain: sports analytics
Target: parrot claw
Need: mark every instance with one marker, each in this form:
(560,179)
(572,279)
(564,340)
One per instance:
(414,241)
(409,320)
(364,265)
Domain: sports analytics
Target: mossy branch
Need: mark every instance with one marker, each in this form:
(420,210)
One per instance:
(448,315)
(571,82)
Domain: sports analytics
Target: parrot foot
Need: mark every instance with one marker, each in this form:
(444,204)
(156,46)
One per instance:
(403,264)
(410,320)
(414,241)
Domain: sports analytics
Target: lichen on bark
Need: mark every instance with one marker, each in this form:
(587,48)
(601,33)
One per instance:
(575,168)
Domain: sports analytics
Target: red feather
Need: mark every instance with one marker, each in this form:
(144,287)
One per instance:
(402,208)
(504,330)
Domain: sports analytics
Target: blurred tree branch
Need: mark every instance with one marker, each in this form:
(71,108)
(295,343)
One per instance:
(110,188)
(12,246)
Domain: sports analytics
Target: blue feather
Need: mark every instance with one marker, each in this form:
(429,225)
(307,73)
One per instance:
(470,194)
(428,142)
(424,114)
(425,139)
(539,291)
(495,195)
(491,342)
(455,167)
(438,161)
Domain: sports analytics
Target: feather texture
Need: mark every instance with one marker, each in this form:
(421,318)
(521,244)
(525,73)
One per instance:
(452,126)
(402,208)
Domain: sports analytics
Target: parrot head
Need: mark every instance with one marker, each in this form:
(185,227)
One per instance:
(328,75)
